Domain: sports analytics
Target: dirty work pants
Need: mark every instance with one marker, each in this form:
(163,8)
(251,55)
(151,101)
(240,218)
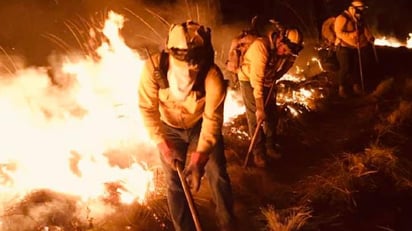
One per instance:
(185,141)
(349,67)
(265,137)
(348,73)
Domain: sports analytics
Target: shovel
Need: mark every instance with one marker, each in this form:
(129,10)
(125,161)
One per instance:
(189,197)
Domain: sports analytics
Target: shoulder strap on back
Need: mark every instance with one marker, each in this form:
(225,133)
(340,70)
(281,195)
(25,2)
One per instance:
(161,76)
(346,15)
(199,84)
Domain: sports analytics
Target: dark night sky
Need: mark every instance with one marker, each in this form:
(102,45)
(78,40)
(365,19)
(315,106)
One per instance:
(388,16)
(23,22)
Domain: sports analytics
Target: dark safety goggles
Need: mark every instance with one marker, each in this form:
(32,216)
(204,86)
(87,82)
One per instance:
(294,48)
(192,56)
(359,9)
(179,54)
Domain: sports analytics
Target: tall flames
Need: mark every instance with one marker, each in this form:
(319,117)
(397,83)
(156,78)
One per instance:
(76,136)
(75,128)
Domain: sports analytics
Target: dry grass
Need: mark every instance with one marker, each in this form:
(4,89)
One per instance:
(46,210)
(288,220)
(353,173)
(394,121)
(401,114)
(386,161)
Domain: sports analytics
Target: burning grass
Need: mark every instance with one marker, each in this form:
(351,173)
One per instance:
(339,187)
(47,210)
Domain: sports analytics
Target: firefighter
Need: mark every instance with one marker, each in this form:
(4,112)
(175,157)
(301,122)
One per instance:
(267,59)
(181,99)
(354,45)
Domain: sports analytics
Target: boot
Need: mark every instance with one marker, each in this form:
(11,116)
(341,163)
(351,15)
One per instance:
(259,160)
(228,227)
(272,153)
(357,90)
(342,92)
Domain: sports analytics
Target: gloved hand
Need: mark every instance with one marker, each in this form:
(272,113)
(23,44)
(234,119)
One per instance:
(196,169)
(260,110)
(353,35)
(169,154)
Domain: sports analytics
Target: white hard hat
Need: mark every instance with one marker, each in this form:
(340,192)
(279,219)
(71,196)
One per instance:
(293,38)
(177,38)
(185,36)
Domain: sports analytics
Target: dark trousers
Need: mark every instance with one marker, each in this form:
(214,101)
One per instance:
(349,67)
(348,73)
(185,140)
(265,137)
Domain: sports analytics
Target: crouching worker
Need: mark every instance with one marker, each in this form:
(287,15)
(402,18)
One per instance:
(181,99)
(267,59)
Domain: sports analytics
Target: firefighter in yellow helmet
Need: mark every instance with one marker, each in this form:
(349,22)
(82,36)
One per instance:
(181,98)
(354,44)
(267,59)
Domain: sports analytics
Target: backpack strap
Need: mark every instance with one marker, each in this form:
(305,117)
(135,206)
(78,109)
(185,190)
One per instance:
(348,18)
(161,72)
(199,84)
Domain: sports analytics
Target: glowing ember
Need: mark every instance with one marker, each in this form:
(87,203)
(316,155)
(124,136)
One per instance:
(317,61)
(296,94)
(290,77)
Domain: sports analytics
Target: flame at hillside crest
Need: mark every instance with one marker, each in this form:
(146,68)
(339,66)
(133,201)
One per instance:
(393,42)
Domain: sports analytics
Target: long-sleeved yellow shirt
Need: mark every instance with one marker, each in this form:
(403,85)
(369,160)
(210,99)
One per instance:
(254,64)
(157,105)
(256,67)
(347,34)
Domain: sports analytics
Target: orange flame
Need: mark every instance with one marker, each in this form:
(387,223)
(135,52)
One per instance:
(62,137)
(59,138)
(393,42)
